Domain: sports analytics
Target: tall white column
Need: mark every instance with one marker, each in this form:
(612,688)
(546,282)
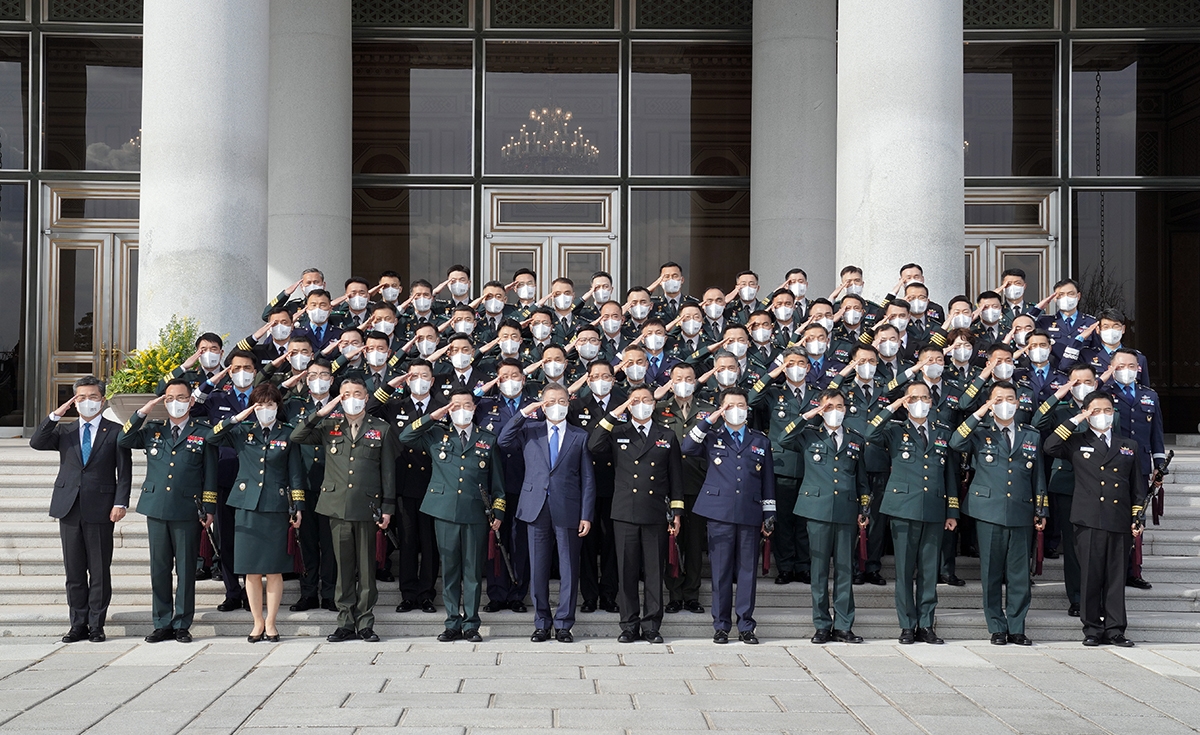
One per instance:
(309,164)
(900,141)
(204,165)
(794,141)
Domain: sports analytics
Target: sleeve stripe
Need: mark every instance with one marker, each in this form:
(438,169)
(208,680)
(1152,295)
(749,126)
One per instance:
(952,502)
(677,505)
(209,496)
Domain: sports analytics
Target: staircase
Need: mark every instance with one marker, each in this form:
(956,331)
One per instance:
(32,598)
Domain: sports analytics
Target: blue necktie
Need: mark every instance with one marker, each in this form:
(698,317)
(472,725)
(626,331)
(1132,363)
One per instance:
(553,445)
(737,437)
(242,401)
(1129,393)
(654,366)
(320,335)
(86,446)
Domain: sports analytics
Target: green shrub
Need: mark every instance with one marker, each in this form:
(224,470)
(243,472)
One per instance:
(143,368)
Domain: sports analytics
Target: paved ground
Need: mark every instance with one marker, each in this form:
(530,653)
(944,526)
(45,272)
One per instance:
(595,686)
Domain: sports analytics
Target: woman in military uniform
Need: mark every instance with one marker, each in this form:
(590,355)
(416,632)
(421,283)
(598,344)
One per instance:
(269,485)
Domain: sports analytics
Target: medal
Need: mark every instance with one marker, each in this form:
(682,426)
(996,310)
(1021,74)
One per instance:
(854,409)
(758,468)
(442,455)
(904,455)
(154,451)
(489,427)
(717,460)
(1029,465)
(783,414)
(333,450)
(482,465)
(988,458)
(816,458)
(1087,455)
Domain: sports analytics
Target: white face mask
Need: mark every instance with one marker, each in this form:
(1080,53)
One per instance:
(1003,370)
(642,411)
(419,386)
(919,409)
(816,347)
(1068,303)
(376,358)
(310,287)
(1100,421)
(748,293)
(600,387)
(854,289)
(265,416)
(683,389)
(89,408)
(761,335)
(1039,355)
(865,371)
(553,368)
(555,412)
(602,295)
(735,416)
(318,316)
(357,303)
(460,360)
(918,306)
(784,313)
(1005,411)
(563,301)
(611,326)
(459,288)
(726,378)
(1081,391)
(353,405)
(385,327)
(210,360)
(464,326)
(422,303)
(635,372)
(899,322)
(346,350)
(737,349)
(178,409)
(826,322)
(991,314)
(510,346)
(587,350)
(889,348)
(1111,336)
(242,379)
(526,291)
(654,342)
(1021,337)
(691,327)
(299,361)
(672,286)
(960,321)
(511,388)
(639,311)
(280,331)
(933,372)
(540,331)
(798,289)
(962,353)
(1014,292)
(390,293)
(833,419)
(493,305)
(426,347)
(1125,376)
(462,417)
(318,386)
(796,373)
(852,317)
(714,310)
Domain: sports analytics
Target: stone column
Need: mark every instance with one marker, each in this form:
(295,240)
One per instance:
(309,164)
(204,165)
(900,141)
(794,141)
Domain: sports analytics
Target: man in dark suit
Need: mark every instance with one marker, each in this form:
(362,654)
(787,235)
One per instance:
(559,499)
(648,491)
(91,493)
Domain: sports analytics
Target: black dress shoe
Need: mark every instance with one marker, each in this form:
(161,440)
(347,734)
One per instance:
(1019,639)
(971,552)
(405,606)
(907,637)
(999,639)
(96,635)
(588,606)
(1137,582)
(428,607)
(693,606)
(204,573)
(652,636)
(847,636)
(951,579)
(803,577)
(673,607)
(159,635)
(340,635)
(273,638)
(821,637)
(304,603)
(748,637)
(720,637)
(564,635)
(329,605)
(494,606)
(183,635)
(517,606)
(368,635)
(383,575)
(229,604)
(783,578)
(1073,610)
(1091,641)
(1052,553)
(1119,640)
(927,635)
(610,606)
(627,636)
(449,634)
(472,636)
(540,635)
(255,638)
(858,578)
(74,635)
(874,578)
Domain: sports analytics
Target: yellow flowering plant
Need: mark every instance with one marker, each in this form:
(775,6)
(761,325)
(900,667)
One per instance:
(143,368)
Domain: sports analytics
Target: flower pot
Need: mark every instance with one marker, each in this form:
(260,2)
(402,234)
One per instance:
(124,405)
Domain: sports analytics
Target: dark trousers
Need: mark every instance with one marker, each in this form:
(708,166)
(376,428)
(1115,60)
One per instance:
(1102,559)
(320,566)
(1004,562)
(832,543)
(733,552)
(515,537)
(355,591)
(691,556)
(224,520)
(87,558)
(789,542)
(877,524)
(1060,508)
(173,544)
(463,549)
(544,536)
(598,563)
(641,548)
(418,566)
(916,544)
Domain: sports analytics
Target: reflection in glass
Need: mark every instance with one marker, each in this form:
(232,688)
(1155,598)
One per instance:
(1145,100)
(529,89)
(93,103)
(418,233)
(551,212)
(99,209)
(579,265)
(14,101)
(1008,109)
(1002,214)
(706,231)
(412,108)
(690,109)
(76,299)
(13,262)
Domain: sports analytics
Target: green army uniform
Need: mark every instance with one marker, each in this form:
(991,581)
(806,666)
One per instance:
(833,493)
(669,414)
(919,496)
(194,377)
(456,505)
(180,470)
(980,388)
(1006,494)
(359,478)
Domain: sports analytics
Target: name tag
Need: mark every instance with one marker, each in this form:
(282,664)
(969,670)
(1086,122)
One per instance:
(1086,449)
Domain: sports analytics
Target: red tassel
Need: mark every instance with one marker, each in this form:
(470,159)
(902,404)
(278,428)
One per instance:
(862,547)
(380,548)
(1039,554)
(1137,556)
(493,553)
(206,549)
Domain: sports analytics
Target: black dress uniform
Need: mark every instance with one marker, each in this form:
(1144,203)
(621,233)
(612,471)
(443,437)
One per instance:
(1108,498)
(648,490)
(1138,416)
(685,588)
(598,565)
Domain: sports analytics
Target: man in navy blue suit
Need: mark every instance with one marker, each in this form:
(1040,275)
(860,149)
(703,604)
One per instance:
(558,497)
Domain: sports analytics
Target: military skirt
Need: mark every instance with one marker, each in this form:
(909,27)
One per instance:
(260,541)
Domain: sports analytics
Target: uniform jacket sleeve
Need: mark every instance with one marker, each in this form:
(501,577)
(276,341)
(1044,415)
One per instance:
(228,432)
(499,504)
(387,470)
(510,439)
(413,435)
(131,433)
(675,463)
(299,480)
(768,482)
(600,441)
(588,476)
(1058,444)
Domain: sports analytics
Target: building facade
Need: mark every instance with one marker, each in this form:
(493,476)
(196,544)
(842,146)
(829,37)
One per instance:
(193,158)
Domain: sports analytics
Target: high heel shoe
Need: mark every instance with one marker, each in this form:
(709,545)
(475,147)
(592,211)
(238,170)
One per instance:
(271,638)
(254,638)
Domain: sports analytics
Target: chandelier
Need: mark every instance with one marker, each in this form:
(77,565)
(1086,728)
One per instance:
(547,144)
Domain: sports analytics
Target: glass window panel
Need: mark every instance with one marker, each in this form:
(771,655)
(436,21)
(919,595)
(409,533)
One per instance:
(690,109)
(131,274)
(706,231)
(418,233)
(1147,103)
(1002,214)
(99,209)
(413,107)
(551,108)
(14,101)
(93,103)
(13,262)
(1008,109)
(76,299)
(528,212)
(579,266)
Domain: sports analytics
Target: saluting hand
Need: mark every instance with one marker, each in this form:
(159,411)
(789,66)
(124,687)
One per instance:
(191,360)
(329,406)
(150,404)
(441,413)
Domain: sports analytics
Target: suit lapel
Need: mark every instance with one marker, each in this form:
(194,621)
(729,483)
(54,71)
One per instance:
(645,443)
(1114,446)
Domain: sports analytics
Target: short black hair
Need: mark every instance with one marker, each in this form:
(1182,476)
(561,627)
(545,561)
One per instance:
(732,390)
(906,266)
(1002,384)
(385,306)
(1018,272)
(1067,282)
(794,271)
(458,267)
(356,279)
(279,309)
(524,272)
(420,362)
(1096,395)
(318,292)
(989,295)
(1112,315)
(352,380)
(461,390)
(244,354)
(419,282)
(298,338)
(671,264)
(212,337)
(999,347)
(177,381)
(830,393)
(850,269)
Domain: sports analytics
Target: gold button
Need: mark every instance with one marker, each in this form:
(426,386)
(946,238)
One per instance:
(170,476)
(1010,495)
(635,489)
(1102,483)
(635,461)
(172,464)
(460,492)
(635,477)
(651,477)
(168,489)
(651,464)
(350,485)
(651,492)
